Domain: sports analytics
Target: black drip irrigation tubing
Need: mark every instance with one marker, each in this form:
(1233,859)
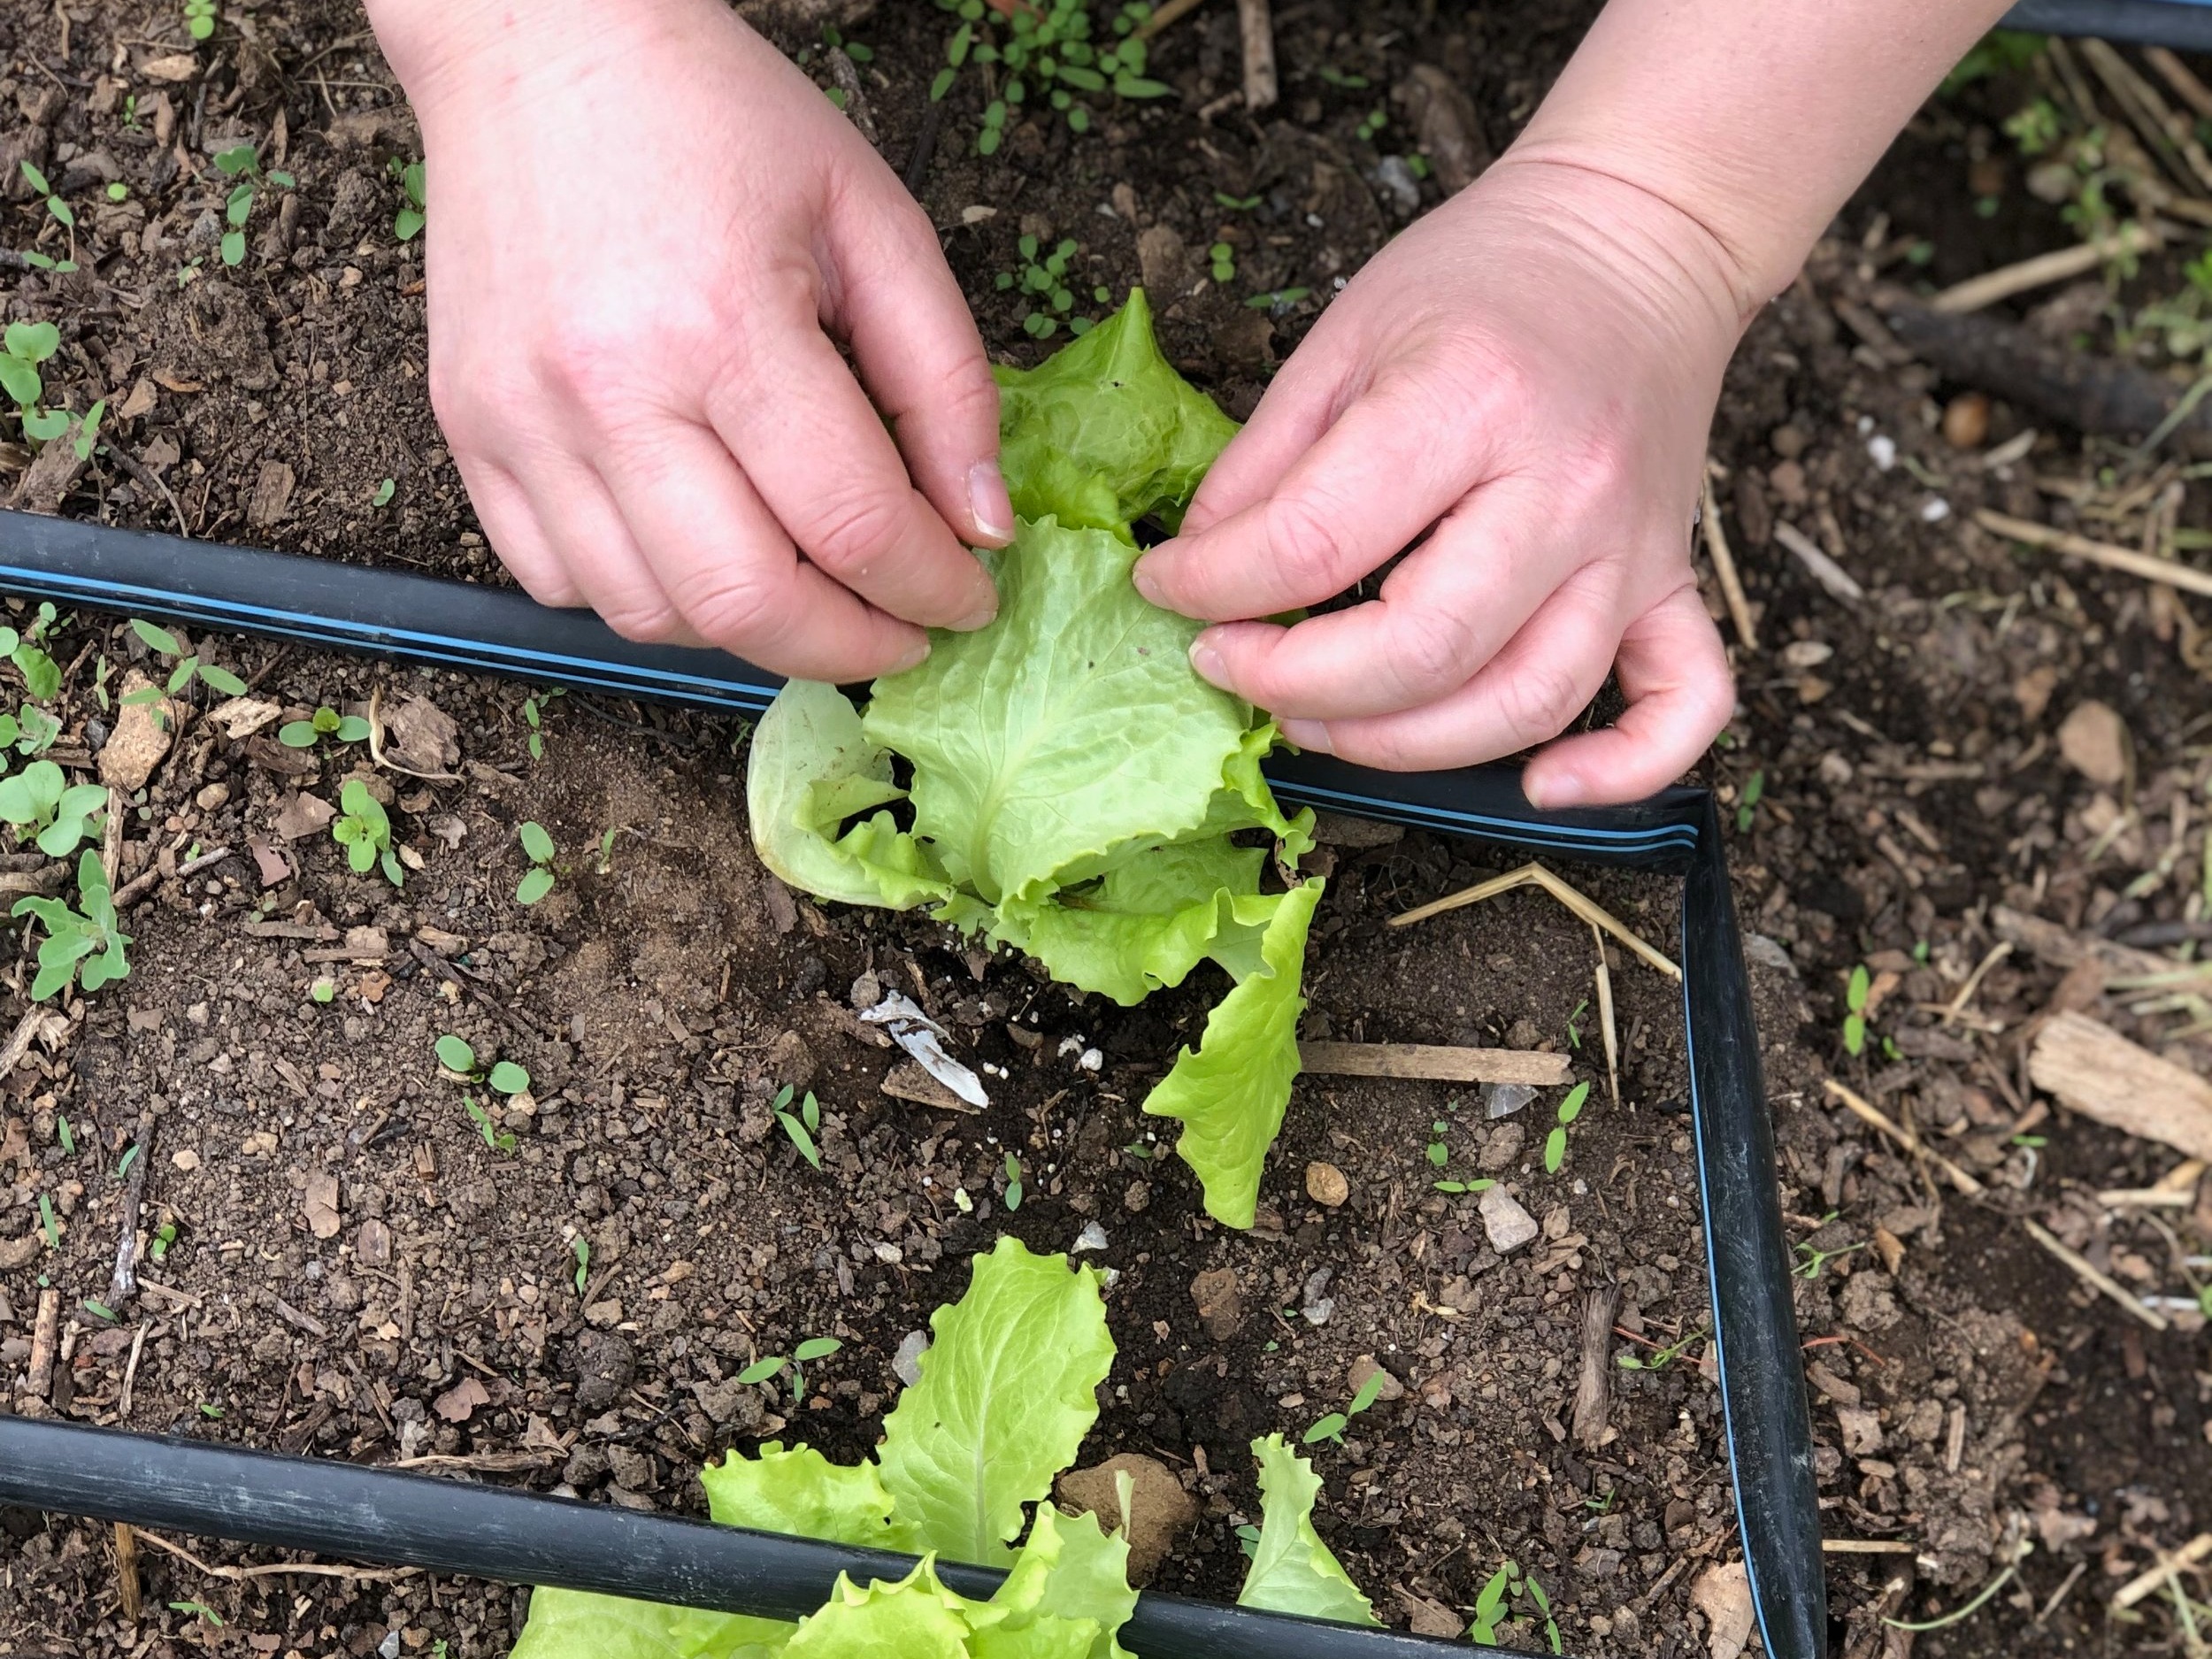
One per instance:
(382,1516)
(2184,25)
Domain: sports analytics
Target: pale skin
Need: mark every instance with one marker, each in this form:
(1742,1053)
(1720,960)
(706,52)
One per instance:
(648,231)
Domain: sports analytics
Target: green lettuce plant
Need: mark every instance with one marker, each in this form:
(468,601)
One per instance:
(1077,788)
(1008,1391)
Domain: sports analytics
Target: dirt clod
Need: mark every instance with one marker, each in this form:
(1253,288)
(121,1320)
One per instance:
(1325,1184)
(1220,1302)
(143,733)
(1159,1510)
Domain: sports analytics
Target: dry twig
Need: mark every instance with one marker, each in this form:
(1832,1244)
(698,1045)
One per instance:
(2148,1583)
(2090,1275)
(1434,1063)
(2063,265)
(1173,11)
(1535,875)
(2149,566)
(1723,559)
(1255,18)
(1869,1113)
(277,1570)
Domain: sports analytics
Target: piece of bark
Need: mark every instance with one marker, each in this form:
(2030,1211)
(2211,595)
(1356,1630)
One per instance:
(2094,1071)
(1256,19)
(2061,947)
(2080,390)
(1594,1393)
(44,1334)
(1434,1065)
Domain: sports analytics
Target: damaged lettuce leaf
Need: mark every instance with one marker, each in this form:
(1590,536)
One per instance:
(1073,785)
(1292,1569)
(1008,1392)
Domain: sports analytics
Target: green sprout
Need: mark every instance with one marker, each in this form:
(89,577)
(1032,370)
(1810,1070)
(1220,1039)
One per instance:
(199,18)
(1755,789)
(1574,1024)
(770,1367)
(1372,123)
(164,1241)
(537,845)
(324,990)
(1237,204)
(47,1225)
(385,491)
(325,722)
(802,1125)
(1855,997)
(497,1139)
(62,213)
(1225,262)
(1332,1427)
(1555,1142)
(1659,1358)
(1508,1584)
(85,945)
(1278,299)
(1043,279)
(99,1309)
(1816,1259)
(408,222)
(166,644)
(201,1610)
(1047,54)
(365,830)
(28,345)
(580,1248)
(533,711)
(503,1077)
(42,675)
(62,1134)
(243,163)
(1013,1183)
(39,801)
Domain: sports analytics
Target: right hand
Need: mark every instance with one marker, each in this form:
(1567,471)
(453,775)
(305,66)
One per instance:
(646,229)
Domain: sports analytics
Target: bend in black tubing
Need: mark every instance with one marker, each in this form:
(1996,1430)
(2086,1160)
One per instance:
(400,1519)
(410,616)
(2139,22)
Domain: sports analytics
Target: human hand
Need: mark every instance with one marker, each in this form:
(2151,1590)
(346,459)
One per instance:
(1527,376)
(645,229)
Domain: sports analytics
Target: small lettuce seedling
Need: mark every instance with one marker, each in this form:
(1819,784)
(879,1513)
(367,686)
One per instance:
(768,1368)
(966,1467)
(199,18)
(325,722)
(39,801)
(62,213)
(184,669)
(1332,1427)
(1494,1605)
(28,345)
(580,1246)
(365,830)
(1855,1000)
(537,845)
(503,1077)
(84,944)
(42,674)
(243,164)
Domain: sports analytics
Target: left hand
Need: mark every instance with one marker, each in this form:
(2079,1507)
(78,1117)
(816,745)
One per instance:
(1526,377)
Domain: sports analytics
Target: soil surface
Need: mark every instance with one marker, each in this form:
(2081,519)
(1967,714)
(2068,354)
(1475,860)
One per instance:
(344,1252)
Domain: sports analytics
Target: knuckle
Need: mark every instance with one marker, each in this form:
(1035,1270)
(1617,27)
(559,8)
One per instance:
(647,620)
(1432,652)
(734,609)
(1303,543)
(1537,700)
(849,537)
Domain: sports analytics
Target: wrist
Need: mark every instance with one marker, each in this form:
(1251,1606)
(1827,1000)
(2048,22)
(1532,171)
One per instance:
(470,48)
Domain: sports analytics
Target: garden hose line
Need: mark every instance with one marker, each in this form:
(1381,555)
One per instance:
(339,1509)
(2184,25)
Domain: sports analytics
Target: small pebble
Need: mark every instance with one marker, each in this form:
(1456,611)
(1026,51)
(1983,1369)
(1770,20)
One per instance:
(906,1365)
(1092,1237)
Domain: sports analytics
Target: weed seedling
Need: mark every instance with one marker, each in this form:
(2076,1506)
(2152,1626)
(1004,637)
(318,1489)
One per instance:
(325,722)
(199,18)
(1043,281)
(39,801)
(42,675)
(1855,997)
(1047,51)
(770,1367)
(1013,1183)
(186,669)
(580,1248)
(385,491)
(165,1240)
(1754,790)
(28,345)
(533,712)
(243,164)
(503,1077)
(1494,1604)
(1440,1151)
(1372,124)
(47,1223)
(408,222)
(497,1139)
(62,213)
(365,830)
(1225,262)
(99,1309)
(537,845)
(62,1134)
(1574,1024)
(803,1125)
(1332,1427)
(84,944)
(1555,1142)
(1816,1259)
(199,1610)
(1278,299)
(1659,1358)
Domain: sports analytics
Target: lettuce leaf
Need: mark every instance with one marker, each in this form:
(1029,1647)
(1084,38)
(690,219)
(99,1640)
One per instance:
(570,1624)
(802,1493)
(1007,1393)
(1292,1569)
(1070,1578)
(1230,1093)
(1071,727)
(1105,431)
(916,1619)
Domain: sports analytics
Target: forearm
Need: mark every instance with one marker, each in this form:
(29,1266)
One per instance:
(1756,118)
(467,46)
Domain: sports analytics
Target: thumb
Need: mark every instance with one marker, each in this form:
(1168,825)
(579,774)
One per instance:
(918,354)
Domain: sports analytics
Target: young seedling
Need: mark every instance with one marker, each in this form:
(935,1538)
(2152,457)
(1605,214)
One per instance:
(1440,1150)
(243,164)
(580,1248)
(1278,299)
(1238,203)
(503,1077)
(1854,998)
(40,803)
(605,865)
(385,491)
(1013,1183)
(1754,788)
(1494,1605)
(199,18)
(165,1240)
(1816,1258)
(1555,1142)
(62,213)
(28,345)
(42,675)
(199,1610)
(365,830)
(1659,1358)
(1043,279)
(1574,1024)
(324,990)
(802,1125)
(166,644)
(497,1139)
(62,1134)
(771,1366)
(408,222)
(1047,43)
(325,722)
(1225,262)
(85,944)
(1332,1427)
(47,1225)
(1372,124)
(537,845)
(533,712)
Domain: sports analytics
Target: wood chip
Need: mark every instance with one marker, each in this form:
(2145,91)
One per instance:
(1593,1391)
(2094,1071)
(1435,1063)
(45,1332)
(321,1203)
(909,1082)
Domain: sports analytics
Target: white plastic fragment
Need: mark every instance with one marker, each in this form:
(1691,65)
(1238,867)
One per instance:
(921,1037)
(1935,509)
(1883,448)
(906,1365)
(1092,1237)
(1503,1100)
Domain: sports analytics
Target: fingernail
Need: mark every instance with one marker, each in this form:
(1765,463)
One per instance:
(1207,660)
(1146,584)
(988,503)
(1310,735)
(1551,790)
(982,616)
(913,657)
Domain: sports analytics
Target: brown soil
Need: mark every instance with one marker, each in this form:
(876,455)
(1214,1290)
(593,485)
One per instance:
(662,994)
